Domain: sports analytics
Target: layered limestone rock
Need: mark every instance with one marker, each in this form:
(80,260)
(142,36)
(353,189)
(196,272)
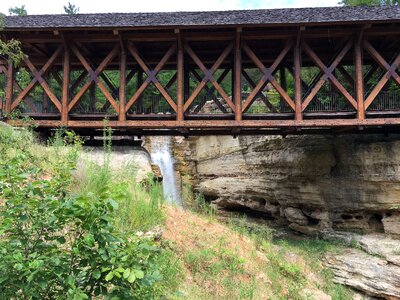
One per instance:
(370,274)
(349,182)
(120,157)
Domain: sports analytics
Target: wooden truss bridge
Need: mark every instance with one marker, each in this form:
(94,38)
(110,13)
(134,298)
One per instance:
(262,71)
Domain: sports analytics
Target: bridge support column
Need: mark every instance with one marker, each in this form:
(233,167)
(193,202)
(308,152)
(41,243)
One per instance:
(237,73)
(180,80)
(9,87)
(297,77)
(359,78)
(122,84)
(65,87)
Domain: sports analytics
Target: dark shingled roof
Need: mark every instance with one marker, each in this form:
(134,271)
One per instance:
(239,17)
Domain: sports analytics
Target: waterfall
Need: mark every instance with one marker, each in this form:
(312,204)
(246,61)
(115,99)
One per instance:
(161,155)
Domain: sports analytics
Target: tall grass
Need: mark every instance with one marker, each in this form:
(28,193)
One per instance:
(139,204)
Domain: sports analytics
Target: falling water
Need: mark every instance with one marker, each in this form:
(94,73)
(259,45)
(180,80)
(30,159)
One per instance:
(161,155)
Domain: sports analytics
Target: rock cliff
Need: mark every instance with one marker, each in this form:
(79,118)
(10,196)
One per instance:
(314,183)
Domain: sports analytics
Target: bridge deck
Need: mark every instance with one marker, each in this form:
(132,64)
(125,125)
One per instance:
(336,74)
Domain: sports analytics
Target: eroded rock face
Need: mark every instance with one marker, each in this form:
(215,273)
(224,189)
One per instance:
(349,182)
(372,275)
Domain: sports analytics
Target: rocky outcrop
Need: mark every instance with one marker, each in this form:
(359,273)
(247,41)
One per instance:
(135,158)
(370,274)
(315,183)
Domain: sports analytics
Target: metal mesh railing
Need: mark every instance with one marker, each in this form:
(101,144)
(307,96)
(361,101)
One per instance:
(329,102)
(386,101)
(150,105)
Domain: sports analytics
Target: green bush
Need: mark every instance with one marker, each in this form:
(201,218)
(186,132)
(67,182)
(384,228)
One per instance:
(55,246)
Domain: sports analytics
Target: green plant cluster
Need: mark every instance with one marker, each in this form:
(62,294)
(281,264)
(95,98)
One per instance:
(57,246)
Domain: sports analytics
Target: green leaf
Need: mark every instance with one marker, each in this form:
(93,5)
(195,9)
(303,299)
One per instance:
(18,267)
(90,240)
(132,277)
(127,272)
(61,240)
(139,274)
(96,274)
(113,204)
(109,276)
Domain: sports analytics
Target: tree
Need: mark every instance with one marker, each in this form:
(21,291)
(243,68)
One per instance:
(18,11)
(368,2)
(10,50)
(71,9)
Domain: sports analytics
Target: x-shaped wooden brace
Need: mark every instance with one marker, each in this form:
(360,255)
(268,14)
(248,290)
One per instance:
(151,76)
(328,74)
(94,77)
(38,78)
(268,76)
(264,98)
(211,91)
(390,72)
(208,76)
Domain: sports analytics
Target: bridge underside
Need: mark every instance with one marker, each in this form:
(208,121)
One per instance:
(191,81)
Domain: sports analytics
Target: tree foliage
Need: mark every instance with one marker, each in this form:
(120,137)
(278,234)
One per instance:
(10,50)
(71,9)
(369,2)
(56,246)
(18,11)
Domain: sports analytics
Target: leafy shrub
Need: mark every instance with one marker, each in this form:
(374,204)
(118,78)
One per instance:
(55,246)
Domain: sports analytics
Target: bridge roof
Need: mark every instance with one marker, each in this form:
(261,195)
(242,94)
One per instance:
(264,17)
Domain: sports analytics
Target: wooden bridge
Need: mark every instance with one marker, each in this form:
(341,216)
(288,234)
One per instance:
(236,72)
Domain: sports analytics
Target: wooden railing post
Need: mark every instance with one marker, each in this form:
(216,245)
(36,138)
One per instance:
(297,77)
(9,86)
(122,83)
(180,79)
(237,88)
(65,87)
(359,82)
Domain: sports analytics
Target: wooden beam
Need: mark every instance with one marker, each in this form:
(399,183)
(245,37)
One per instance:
(151,76)
(390,72)
(47,90)
(208,76)
(94,77)
(180,78)
(297,78)
(36,78)
(213,124)
(65,86)
(359,80)
(237,75)
(122,84)
(328,74)
(268,75)
(9,87)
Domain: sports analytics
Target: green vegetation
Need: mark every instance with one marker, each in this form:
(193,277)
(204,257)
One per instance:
(71,9)
(57,243)
(18,11)
(72,229)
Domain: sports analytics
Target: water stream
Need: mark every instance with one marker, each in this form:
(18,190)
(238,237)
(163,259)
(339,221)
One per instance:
(161,155)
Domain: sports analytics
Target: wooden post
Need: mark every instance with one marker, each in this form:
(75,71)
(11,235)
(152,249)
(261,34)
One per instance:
(186,78)
(9,87)
(282,77)
(359,82)
(297,77)
(92,98)
(122,84)
(180,80)
(139,82)
(237,94)
(65,88)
